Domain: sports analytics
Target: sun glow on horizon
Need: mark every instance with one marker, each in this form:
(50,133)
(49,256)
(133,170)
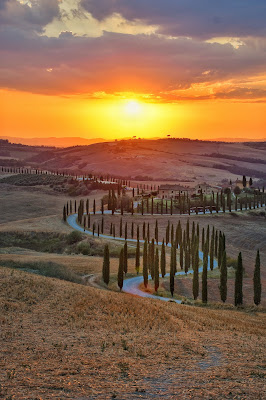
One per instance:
(133,108)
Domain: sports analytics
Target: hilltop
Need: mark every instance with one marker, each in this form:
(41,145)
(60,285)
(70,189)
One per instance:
(180,160)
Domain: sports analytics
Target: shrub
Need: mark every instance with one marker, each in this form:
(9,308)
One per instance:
(84,248)
(74,237)
(50,269)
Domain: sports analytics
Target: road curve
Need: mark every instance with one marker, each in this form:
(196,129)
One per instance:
(131,285)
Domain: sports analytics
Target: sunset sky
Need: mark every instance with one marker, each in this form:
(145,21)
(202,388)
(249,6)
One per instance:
(119,68)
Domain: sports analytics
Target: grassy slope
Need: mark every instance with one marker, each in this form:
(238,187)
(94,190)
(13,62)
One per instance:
(65,341)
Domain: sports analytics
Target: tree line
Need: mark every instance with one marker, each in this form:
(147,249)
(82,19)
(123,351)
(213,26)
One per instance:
(189,243)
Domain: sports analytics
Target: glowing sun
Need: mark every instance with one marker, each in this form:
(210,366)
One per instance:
(132,107)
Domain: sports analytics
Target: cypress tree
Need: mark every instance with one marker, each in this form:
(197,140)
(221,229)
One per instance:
(94,207)
(67,211)
(137,257)
(125,258)
(120,275)
(181,256)
(114,230)
(132,230)
(102,207)
(148,232)
(121,227)
(156,270)
(172,234)
(195,287)
(145,263)
(216,244)
(87,206)
(156,234)
(75,206)
(151,258)
(223,278)
(163,260)
(64,213)
(257,281)
(186,259)
(202,239)
(126,231)
(205,277)
(144,231)
(102,227)
(167,233)
(212,250)
(138,232)
(106,265)
(208,238)
(239,282)
(187,231)
(89,221)
(198,230)
(93,229)
(111,229)
(220,249)
(172,273)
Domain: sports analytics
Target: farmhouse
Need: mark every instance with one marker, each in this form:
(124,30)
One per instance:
(204,188)
(239,183)
(172,191)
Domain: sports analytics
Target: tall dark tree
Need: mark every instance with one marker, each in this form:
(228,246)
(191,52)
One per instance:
(212,249)
(244,181)
(145,263)
(151,258)
(64,214)
(125,258)
(132,230)
(126,231)
(121,227)
(156,233)
(181,256)
(163,260)
(216,244)
(87,206)
(257,281)
(167,234)
(156,270)
(94,206)
(202,239)
(205,277)
(239,282)
(195,287)
(137,264)
(106,265)
(144,231)
(172,273)
(223,278)
(120,275)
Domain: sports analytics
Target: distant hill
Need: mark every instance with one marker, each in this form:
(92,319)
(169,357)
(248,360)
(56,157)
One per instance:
(179,160)
(238,140)
(54,141)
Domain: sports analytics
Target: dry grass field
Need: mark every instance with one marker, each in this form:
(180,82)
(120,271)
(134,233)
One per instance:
(62,340)
(66,341)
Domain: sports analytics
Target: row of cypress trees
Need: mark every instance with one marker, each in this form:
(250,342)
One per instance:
(153,262)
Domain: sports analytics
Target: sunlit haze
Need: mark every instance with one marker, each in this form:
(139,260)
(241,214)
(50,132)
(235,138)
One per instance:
(120,69)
